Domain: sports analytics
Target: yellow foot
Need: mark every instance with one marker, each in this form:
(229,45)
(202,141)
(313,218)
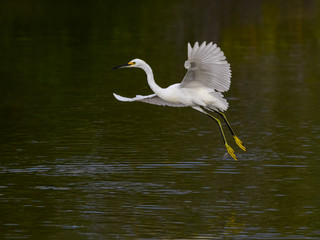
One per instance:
(238,141)
(231,152)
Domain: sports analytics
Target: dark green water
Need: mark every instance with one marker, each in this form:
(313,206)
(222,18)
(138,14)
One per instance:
(78,164)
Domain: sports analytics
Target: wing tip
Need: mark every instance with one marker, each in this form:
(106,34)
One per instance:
(115,95)
(120,98)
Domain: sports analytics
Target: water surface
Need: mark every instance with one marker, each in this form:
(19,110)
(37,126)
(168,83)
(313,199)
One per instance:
(78,164)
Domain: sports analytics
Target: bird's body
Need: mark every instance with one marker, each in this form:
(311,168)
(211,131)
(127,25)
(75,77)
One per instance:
(187,97)
(207,77)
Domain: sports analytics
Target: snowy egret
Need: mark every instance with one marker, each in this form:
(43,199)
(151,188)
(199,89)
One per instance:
(208,75)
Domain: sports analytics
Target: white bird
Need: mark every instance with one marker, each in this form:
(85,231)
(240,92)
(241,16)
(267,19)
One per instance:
(208,75)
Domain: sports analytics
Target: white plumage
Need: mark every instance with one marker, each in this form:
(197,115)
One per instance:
(208,75)
(207,67)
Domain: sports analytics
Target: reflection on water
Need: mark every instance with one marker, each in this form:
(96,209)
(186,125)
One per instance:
(77,164)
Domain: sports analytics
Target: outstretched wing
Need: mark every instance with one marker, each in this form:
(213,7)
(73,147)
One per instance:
(207,67)
(152,99)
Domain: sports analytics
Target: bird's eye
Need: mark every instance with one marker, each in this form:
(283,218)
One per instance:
(132,63)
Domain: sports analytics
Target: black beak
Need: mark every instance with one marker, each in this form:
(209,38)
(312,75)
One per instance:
(121,66)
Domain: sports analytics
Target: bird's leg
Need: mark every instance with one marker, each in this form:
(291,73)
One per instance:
(237,140)
(229,149)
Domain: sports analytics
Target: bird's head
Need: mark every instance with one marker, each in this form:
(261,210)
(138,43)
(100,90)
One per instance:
(138,63)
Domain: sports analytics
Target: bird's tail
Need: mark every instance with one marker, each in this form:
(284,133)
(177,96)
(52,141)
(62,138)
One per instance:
(221,104)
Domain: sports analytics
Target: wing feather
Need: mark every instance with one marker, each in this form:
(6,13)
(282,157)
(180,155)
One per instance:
(152,99)
(207,67)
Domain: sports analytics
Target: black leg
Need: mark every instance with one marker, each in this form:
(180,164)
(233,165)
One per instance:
(237,140)
(229,149)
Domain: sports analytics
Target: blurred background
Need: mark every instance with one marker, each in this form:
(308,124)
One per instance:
(78,164)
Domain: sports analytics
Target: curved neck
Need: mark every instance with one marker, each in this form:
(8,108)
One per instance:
(155,88)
